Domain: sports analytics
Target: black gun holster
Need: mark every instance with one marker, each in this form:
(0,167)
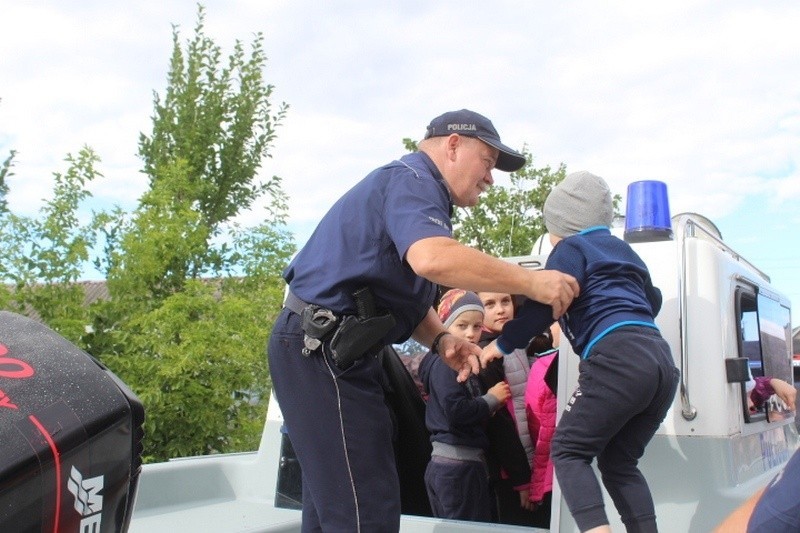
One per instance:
(357,337)
(351,336)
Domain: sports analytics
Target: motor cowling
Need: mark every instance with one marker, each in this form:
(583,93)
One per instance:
(70,435)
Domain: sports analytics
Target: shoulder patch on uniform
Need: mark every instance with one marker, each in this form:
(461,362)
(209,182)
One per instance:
(439,222)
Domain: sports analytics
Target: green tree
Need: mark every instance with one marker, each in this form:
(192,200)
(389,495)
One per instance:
(43,256)
(218,121)
(193,349)
(5,173)
(6,299)
(197,363)
(193,291)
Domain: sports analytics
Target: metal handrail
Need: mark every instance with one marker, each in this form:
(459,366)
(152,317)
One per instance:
(685,225)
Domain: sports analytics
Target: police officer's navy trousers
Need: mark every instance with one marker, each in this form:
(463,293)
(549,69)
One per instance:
(625,388)
(341,430)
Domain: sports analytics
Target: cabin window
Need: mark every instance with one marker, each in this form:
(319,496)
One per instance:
(764,332)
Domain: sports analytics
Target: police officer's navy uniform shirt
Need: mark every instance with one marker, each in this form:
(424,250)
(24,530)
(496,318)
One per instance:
(364,238)
(778,509)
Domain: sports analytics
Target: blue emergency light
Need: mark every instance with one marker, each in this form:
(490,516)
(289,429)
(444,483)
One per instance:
(647,212)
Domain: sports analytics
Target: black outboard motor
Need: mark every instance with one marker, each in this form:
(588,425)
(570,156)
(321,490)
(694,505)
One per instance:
(70,436)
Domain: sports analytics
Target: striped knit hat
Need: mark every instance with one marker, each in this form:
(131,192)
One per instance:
(456,301)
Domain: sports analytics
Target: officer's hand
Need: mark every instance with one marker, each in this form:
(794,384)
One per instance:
(460,355)
(555,289)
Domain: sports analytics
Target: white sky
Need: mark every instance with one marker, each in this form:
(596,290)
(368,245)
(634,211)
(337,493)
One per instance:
(703,95)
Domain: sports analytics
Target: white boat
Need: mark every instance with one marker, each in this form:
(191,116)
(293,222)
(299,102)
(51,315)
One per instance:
(708,456)
(721,316)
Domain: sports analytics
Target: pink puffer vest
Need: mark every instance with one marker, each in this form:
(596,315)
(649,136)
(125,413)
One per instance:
(541,405)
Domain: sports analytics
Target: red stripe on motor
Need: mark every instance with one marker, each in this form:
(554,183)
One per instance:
(57,459)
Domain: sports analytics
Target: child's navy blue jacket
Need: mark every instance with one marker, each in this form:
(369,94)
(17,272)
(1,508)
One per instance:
(455,413)
(615,290)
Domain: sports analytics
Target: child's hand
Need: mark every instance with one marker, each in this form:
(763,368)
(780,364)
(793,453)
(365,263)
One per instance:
(490,352)
(524,500)
(501,391)
(785,392)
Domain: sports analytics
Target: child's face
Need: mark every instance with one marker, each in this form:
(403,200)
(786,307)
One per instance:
(467,326)
(498,309)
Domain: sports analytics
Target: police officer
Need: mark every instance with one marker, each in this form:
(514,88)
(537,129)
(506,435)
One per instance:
(367,278)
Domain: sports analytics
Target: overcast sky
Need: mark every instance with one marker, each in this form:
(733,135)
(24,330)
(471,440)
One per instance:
(703,95)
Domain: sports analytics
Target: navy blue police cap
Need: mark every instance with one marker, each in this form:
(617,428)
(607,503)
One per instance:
(471,124)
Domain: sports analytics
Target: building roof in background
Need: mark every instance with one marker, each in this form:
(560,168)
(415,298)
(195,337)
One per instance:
(92,292)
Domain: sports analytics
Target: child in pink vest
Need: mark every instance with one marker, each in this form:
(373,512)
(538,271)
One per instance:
(541,407)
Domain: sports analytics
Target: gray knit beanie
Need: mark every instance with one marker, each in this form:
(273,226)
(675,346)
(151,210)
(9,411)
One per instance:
(581,201)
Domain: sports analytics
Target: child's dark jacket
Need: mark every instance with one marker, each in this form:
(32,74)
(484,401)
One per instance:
(456,413)
(615,290)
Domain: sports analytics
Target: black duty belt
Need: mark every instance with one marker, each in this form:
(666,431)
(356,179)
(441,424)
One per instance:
(350,337)
(293,303)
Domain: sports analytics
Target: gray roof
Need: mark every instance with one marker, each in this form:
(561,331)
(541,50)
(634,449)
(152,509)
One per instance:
(92,291)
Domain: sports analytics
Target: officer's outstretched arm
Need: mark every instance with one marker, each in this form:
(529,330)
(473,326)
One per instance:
(447,262)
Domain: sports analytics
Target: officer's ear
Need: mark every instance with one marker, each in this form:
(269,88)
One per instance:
(453,144)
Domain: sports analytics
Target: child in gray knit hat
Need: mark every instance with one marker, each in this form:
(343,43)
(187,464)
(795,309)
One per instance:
(580,202)
(627,376)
